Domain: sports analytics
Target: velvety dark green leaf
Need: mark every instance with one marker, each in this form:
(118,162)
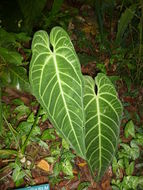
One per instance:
(103,112)
(56,81)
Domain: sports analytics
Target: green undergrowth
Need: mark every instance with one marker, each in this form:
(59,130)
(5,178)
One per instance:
(127,164)
(20,145)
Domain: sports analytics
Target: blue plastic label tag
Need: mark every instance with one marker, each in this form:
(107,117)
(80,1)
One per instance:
(37,187)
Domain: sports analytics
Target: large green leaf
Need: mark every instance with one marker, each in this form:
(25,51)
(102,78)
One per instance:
(56,81)
(103,114)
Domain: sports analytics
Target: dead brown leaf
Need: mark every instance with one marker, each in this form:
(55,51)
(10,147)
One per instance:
(44,165)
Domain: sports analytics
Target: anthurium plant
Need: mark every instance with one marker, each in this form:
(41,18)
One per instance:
(89,120)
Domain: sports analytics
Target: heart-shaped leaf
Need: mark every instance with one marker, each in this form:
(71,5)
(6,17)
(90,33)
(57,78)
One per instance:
(56,81)
(103,114)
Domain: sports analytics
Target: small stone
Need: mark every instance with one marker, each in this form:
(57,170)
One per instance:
(23,160)
(28,162)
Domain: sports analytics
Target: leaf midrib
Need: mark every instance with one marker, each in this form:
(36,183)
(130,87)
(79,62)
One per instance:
(99,129)
(64,101)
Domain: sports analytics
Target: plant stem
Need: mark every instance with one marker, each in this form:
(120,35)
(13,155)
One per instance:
(31,131)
